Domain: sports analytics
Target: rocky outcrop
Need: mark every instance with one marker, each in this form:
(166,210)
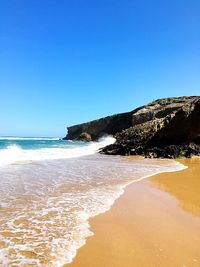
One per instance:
(96,129)
(84,137)
(168,127)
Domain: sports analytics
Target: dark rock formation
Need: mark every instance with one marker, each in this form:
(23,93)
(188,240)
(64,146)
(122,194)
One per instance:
(84,137)
(167,127)
(105,126)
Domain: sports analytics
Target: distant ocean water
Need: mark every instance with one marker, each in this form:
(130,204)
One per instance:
(49,188)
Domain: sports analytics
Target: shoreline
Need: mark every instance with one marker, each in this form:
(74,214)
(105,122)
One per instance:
(119,238)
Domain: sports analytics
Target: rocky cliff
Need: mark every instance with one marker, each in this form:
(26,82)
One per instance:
(168,127)
(93,130)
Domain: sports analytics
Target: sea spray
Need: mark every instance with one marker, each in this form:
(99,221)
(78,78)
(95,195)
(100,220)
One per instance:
(27,149)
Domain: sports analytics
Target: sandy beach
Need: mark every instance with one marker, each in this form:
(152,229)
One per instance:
(155,223)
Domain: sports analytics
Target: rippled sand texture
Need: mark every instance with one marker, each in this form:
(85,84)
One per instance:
(45,205)
(155,223)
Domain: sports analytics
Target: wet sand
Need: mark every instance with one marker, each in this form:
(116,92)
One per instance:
(155,223)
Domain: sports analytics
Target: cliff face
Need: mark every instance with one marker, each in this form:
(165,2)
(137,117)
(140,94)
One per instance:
(93,130)
(167,127)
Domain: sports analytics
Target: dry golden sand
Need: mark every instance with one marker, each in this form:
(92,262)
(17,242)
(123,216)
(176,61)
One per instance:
(156,223)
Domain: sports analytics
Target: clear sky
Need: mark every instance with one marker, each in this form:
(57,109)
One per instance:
(64,62)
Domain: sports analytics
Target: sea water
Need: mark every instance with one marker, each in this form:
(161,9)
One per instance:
(49,188)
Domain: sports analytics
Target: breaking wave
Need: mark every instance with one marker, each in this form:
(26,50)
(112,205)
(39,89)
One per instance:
(15,153)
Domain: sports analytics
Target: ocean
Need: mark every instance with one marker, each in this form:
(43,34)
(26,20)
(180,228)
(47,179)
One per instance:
(49,188)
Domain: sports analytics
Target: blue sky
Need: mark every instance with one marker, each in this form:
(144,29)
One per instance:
(65,62)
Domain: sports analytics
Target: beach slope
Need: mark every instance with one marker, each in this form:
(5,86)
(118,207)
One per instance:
(156,223)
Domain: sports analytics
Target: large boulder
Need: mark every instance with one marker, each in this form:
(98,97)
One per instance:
(86,137)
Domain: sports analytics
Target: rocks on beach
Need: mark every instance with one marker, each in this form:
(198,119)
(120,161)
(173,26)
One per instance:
(168,128)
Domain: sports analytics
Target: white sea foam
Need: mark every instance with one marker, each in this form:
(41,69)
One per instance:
(14,153)
(46,204)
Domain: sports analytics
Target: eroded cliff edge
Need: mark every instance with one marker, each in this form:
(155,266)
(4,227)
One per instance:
(168,127)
